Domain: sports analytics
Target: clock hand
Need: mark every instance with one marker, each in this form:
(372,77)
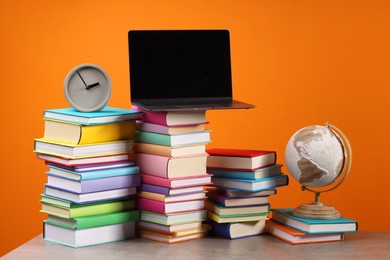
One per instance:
(87,87)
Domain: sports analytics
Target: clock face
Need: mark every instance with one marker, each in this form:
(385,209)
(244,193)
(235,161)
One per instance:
(87,88)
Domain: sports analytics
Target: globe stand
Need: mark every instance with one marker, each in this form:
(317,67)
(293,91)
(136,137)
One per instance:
(316,209)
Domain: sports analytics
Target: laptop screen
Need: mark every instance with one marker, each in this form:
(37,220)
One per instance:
(179,64)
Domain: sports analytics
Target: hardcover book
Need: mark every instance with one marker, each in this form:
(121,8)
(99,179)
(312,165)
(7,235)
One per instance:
(226,201)
(161,129)
(104,116)
(236,211)
(168,199)
(173,140)
(73,133)
(170,239)
(168,229)
(174,183)
(89,236)
(295,237)
(85,161)
(93,185)
(170,191)
(265,172)
(252,185)
(175,218)
(233,193)
(92,167)
(170,151)
(240,159)
(238,230)
(314,226)
(168,208)
(234,218)
(168,167)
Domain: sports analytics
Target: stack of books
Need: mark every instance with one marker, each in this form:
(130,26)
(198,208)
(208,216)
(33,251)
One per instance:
(295,230)
(92,178)
(170,151)
(244,179)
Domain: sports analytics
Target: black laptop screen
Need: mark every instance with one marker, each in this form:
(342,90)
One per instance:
(175,64)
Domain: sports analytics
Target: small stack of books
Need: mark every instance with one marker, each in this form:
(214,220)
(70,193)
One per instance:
(244,179)
(295,230)
(92,178)
(170,151)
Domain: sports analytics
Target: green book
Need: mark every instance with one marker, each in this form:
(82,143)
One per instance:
(66,209)
(173,140)
(95,220)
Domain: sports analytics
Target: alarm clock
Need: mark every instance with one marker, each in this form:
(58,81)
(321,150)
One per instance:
(87,88)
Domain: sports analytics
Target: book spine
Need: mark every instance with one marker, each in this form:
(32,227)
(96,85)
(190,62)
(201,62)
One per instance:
(153,164)
(155,189)
(111,183)
(103,208)
(150,179)
(107,219)
(89,175)
(221,229)
(150,205)
(152,138)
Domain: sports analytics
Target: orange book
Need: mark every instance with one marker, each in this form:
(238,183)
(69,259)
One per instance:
(295,237)
(170,239)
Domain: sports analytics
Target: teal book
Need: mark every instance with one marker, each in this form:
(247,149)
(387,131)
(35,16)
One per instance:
(313,226)
(90,175)
(270,171)
(105,116)
(251,185)
(173,140)
(94,220)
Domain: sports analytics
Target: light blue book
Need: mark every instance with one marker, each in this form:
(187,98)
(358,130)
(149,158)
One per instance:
(313,226)
(105,116)
(251,185)
(270,171)
(89,175)
(173,140)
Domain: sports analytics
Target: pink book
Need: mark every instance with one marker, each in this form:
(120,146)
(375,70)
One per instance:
(168,208)
(173,118)
(185,182)
(171,167)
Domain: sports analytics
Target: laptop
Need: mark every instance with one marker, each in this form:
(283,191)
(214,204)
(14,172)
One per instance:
(178,70)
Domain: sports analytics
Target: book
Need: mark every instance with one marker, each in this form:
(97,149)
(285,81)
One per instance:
(250,175)
(295,237)
(93,185)
(170,151)
(93,167)
(175,183)
(313,226)
(85,161)
(174,219)
(168,229)
(176,198)
(252,185)
(104,116)
(238,230)
(89,236)
(173,118)
(173,140)
(167,208)
(81,198)
(72,133)
(90,175)
(236,211)
(234,218)
(171,191)
(94,220)
(81,151)
(240,159)
(226,201)
(168,167)
(233,193)
(170,239)
(161,129)
(66,209)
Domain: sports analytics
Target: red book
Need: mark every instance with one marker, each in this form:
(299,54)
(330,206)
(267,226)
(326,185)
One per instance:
(183,182)
(173,118)
(240,159)
(168,208)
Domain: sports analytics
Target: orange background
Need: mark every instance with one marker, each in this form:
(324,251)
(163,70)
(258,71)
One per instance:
(300,62)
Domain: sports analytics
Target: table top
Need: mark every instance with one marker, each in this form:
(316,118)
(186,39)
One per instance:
(359,245)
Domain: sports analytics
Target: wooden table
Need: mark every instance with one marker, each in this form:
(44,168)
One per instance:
(359,245)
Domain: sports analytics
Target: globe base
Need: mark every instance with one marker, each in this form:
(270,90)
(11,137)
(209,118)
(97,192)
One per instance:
(316,210)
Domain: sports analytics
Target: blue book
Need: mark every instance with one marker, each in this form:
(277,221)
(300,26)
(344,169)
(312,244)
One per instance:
(251,185)
(89,175)
(105,116)
(270,171)
(313,226)
(239,229)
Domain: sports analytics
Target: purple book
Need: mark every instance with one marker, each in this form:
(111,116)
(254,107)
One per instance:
(94,185)
(170,191)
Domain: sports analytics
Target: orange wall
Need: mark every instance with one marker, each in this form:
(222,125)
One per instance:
(301,62)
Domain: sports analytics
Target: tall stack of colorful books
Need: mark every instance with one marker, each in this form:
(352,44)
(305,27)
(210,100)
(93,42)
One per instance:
(296,230)
(244,179)
(92,178)
(170,151)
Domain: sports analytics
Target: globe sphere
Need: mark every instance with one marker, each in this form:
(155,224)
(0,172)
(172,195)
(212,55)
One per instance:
(315,156)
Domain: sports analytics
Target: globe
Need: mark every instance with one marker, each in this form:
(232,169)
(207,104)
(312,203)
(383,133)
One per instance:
(317,156)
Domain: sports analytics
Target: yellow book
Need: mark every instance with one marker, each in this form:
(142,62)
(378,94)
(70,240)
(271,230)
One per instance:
(73,133)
